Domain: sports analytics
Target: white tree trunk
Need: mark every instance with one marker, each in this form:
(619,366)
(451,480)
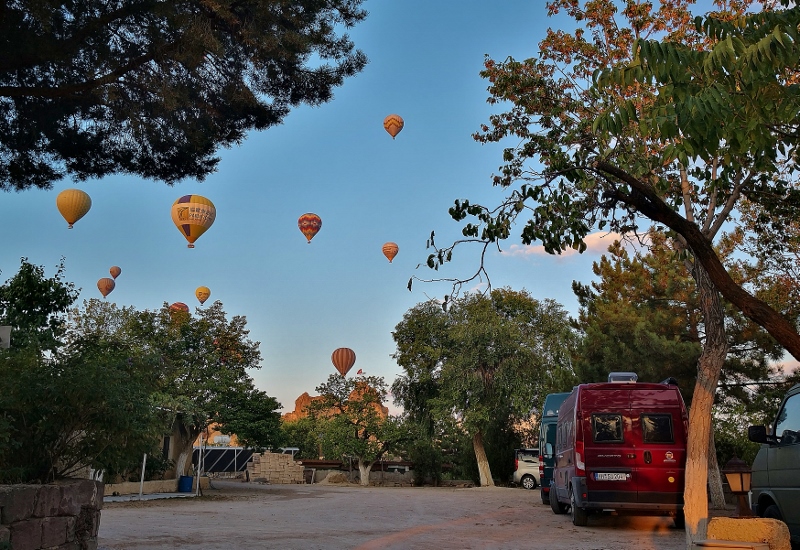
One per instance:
(483,462)
(715,349)
(364,468)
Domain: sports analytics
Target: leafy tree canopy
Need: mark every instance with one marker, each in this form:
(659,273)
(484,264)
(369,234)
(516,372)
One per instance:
(154,88)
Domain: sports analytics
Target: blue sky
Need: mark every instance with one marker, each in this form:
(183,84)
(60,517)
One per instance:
(302,300)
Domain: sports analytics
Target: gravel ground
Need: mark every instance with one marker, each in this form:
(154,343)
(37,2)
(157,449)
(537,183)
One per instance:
(236,515)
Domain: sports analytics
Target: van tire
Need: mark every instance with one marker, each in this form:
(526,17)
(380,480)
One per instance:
(529,482)
(680,520)
(556,506)
(580,517)
(772,511)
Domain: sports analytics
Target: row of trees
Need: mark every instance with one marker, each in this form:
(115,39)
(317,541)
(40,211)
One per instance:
(98,385)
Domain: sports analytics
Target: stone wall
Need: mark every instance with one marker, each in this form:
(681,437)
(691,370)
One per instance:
(274,468)
(58,516)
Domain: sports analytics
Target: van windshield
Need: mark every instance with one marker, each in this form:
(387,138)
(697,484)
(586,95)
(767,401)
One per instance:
(657,428)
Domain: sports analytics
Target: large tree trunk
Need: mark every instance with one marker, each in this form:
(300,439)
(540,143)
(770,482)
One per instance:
(185,443)
(714,479)
(715,349)
(364,468)
(483,462)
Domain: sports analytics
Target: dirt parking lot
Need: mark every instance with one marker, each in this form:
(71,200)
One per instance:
(236,515)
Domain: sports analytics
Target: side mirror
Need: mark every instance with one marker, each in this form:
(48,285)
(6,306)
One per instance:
(757,434)
(548,450)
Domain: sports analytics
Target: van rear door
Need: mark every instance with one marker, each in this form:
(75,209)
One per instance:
(658,426)
(609,448)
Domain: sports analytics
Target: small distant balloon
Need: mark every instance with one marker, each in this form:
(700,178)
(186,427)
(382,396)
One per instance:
(73,204)
(343,359)
(115,271)
(310,225)
(202,293)
(193,215)
(105,286)
(393,124)
(390,251)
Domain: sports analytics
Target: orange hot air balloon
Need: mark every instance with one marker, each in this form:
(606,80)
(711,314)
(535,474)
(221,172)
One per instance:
(393,124)
(193,215)
(179,306)
(115,271)
(390,251)
(343,359)
(73,205)
(202,293)
(105,286)
(309,224)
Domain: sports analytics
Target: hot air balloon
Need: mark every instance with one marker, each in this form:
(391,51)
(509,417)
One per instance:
(309,224)
(115,271)
(390,251)
(105,286)
(193,215)
(73,205)
(202,293)
(393,124)
(343,359)
(179,306)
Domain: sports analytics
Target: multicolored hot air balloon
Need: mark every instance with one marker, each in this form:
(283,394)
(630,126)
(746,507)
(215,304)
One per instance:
(393,124)
(343,359)
(115,271)
(202,293)
(390,251)
(309,224)
(193,215)
(105,286)
(73,205)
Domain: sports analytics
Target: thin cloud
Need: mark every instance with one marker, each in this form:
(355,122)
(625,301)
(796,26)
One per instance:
(595,242)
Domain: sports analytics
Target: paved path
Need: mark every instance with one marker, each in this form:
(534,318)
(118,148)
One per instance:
(245,515)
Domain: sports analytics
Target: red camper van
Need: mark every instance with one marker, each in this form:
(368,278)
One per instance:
(620,446)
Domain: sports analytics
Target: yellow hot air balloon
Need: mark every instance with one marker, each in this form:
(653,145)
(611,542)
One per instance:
(343,359)
(73,205)
(393,124)
(105,286)
(390,251)
(309,224)
(202,293)
(115,271)
(193,215)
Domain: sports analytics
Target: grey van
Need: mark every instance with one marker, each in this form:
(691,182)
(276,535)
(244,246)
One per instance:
(776,468)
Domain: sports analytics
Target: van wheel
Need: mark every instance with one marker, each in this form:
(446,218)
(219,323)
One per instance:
(772,511)
(580,517)
(529,482)
(556,506)
(680,520)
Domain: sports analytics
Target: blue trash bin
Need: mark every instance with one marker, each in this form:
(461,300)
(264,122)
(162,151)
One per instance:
(185,484)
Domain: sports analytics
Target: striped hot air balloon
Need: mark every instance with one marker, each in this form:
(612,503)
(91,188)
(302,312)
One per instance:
(309,224)
(343,359)
(115,271)
(193,215)
(73,204)
(390,251)
(393,124)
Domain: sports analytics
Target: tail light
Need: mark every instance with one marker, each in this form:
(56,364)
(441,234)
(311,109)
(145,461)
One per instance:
(580,465)
(516,464)
(541,469)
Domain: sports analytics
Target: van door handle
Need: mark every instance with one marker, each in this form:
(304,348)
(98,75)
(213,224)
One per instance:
(648,458)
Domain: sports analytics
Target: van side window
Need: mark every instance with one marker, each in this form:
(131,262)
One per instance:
(787,425)
(657,428)
(607,428)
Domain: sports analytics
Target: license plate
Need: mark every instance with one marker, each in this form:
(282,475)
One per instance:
(608,476)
